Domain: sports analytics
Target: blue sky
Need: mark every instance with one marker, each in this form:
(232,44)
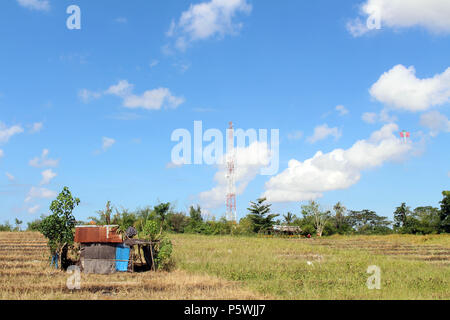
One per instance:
(264,65)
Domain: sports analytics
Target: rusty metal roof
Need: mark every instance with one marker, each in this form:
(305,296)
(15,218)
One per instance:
(97,234)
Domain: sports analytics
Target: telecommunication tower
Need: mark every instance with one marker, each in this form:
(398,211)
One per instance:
(231,167)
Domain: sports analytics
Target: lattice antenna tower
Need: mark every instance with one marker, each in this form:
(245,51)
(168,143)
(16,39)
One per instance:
(231,171)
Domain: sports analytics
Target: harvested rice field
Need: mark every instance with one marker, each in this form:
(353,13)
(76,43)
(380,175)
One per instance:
(225,267)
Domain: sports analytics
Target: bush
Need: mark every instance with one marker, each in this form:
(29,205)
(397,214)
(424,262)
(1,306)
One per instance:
(6,227)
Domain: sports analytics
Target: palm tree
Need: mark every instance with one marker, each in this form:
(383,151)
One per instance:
(289,218)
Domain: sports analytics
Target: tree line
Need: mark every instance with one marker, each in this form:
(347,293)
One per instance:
(312,220)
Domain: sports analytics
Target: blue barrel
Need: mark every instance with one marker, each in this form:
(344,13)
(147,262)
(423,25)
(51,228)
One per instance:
(122,257)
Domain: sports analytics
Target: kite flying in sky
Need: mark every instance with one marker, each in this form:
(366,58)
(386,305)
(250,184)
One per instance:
(405,135)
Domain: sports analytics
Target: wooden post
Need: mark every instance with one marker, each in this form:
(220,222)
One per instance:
(151,253)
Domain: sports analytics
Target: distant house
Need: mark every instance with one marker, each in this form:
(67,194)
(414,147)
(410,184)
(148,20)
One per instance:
(286,230)
(104,250)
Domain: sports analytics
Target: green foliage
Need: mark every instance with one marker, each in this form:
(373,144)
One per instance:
(35,224)
(58,227)
(177,222)
(18,224)
(260,215)
(289,218)
(368,222)
(6,227)
(152,230)
(401,215)
(161,211)
(164,260)
(445,213)
(163,246)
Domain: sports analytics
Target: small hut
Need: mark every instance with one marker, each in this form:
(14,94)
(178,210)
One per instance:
(103,250)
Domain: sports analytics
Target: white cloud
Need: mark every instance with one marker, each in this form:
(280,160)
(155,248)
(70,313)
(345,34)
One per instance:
(432,15)
(383,117)
(43,161)
(336,170)
(249,161)
(322,132)
(357,28)
(40,5)
(47,176)
(122,89)
(342,110)
(2,154)
(87,96)
(107,143)
(34,209)
(172,165)
(153,63)
(296,135)
(6,133)
(121,20)
(208,19)
(401,89)
(370,117)
(10,177)
(436,122)
(151,99)
(39,193)
(36,127)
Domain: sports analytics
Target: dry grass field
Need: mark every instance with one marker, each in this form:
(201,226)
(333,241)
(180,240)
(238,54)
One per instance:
(25,274)
(225,267)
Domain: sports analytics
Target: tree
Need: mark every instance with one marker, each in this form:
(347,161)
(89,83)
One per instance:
(6,226)
(289,218)
(427,220)
(368,222)
(260,215)
(177,222)
(161,211)
(195,214)
(312,213)
(401,216)
(445,212)
(18,223)
(339,217)
(105,215)
(58,227)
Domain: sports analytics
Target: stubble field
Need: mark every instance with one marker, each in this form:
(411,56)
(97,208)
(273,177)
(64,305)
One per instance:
(225,267)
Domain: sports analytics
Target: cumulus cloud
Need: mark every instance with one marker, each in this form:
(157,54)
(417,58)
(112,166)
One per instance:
(322,132)
(43,160)
(399,88)
(208,19)
(432,15)
(7,132)
(436,122)
(339,169)
(47,176)
(39,193)
(40,5)
(155,99)
(249,161)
